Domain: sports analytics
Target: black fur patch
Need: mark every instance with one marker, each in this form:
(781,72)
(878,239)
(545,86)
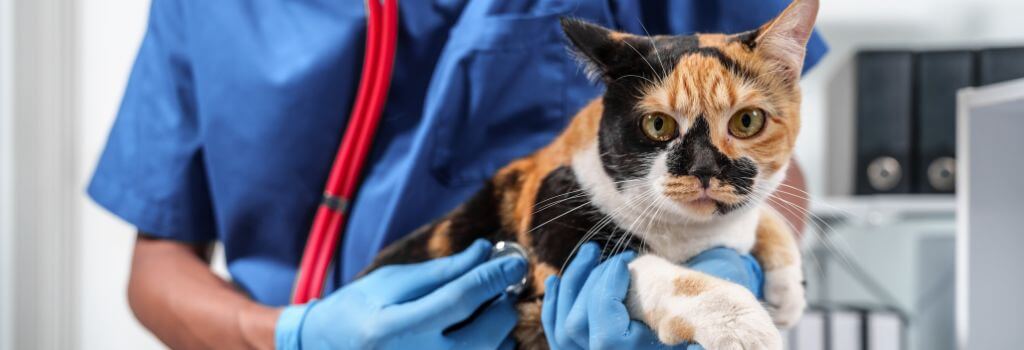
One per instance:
(479,217)
(697,156)
(729,63)
(612,58)
(748,38)
(558,228)
(410,249)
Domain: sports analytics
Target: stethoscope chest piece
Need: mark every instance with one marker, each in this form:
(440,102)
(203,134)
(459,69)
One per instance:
(509,248)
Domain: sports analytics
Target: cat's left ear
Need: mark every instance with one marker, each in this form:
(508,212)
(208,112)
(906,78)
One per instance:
(606,53)
(784,39)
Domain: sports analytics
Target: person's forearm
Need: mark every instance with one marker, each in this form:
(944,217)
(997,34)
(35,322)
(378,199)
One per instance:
(174,294)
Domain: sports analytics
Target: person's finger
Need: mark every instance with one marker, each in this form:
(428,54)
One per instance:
(616,275)
(639,336)
(490,329)
(548,317)
(396,284)
(607,314)
(457,300)
(569,287)
(577,322)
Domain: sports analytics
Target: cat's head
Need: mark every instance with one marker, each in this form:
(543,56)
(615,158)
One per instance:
(706,121)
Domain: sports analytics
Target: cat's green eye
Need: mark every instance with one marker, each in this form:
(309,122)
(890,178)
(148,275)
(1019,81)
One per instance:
(746,122)
(659,127)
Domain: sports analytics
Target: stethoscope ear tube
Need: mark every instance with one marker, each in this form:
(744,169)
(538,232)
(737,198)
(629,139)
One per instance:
(325,233)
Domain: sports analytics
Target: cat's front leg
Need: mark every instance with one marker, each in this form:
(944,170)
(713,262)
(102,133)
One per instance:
(779,255)
(681,304)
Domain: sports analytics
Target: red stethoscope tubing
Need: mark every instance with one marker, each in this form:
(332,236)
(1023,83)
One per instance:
(378,61)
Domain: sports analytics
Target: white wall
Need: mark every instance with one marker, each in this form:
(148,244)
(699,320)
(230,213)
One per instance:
(109,36)
(6,261)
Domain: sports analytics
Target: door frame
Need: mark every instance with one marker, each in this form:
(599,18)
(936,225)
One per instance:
(39,190)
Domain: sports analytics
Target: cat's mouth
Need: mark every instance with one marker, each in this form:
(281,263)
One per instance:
(691,194)
(704,205)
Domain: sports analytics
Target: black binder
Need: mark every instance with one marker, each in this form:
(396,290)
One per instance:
(884,122)
(939,75)
(1000,64)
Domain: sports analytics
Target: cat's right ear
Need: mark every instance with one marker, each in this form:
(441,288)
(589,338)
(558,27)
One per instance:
(784,39)
(597,47)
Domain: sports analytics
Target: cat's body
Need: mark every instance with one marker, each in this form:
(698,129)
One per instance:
(667,163)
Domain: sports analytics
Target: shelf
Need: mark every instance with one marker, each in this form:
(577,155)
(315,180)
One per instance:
(878,207)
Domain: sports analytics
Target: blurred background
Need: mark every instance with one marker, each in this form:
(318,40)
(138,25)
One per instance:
(881,250)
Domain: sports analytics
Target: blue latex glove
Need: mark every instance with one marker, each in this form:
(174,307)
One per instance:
(584,309)
(411,306)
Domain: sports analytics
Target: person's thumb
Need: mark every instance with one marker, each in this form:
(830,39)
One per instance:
(396,284)
(457,300)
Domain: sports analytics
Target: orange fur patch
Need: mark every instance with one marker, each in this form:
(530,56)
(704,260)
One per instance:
(776,246)
(540,274)
(692,284)
(440,244)
(682,330)
(619,36)
(529,331)
(712,39)
(682,188)
(723,192)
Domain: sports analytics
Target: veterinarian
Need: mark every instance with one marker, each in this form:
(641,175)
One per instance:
(228,128)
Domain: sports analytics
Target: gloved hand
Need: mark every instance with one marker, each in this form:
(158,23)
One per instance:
(411,306)
(584,308)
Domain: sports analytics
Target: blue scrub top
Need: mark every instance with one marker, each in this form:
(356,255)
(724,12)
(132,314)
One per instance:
(234,110)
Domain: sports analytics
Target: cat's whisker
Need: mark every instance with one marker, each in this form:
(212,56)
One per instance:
(654,72)
(577,196)
(638,200)
(797,210)
(843,257)
(818,268)
(822,233)
(659,203)
(630,231)
(656,52)
(596,229)
(635,76)
(558,217)
(800,193)
(591,233)
(581,190)
(788,190)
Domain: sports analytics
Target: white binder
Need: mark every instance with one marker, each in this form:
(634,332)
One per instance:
(809,333)
(884,330)
(845,330)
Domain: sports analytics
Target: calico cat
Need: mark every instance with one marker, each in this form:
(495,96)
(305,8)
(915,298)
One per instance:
(691,136)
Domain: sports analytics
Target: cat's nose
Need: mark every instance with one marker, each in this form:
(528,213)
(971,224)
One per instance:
(704,173)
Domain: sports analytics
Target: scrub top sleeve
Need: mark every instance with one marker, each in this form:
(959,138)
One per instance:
(151,172)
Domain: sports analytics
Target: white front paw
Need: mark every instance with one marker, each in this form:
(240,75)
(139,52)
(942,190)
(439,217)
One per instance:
(784,294)
(729,317)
